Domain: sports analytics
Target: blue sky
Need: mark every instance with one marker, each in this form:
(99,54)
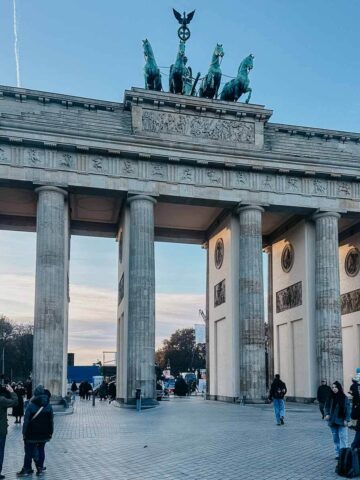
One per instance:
(306,69)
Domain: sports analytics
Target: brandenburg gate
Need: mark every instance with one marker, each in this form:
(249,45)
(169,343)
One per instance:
(170,167)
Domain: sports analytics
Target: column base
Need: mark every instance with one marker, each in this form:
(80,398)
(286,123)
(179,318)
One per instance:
(61,405)
(131,403)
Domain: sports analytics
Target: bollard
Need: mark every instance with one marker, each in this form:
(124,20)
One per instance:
(138,399)
(93,399)
(244,400)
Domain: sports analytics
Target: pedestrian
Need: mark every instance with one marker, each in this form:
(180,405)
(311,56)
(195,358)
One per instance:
(74,388)
(82,388)
(8,398)
(323,393)
(18,411)
(181,387)
(103,390)
(277,393)
(38,428)
(88,390)
(337,413)
(112,391)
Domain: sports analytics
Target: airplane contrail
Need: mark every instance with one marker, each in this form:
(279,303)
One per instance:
(16,48)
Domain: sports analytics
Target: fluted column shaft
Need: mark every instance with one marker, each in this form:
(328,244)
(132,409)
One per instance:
(252,332)
(327,302)
(50,290)
(141,321)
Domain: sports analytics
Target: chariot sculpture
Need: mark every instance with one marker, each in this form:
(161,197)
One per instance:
(181,80)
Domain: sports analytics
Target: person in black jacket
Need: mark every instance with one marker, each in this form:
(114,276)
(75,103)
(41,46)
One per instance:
(8,398)
(38,428)
(277,392)
(323,394)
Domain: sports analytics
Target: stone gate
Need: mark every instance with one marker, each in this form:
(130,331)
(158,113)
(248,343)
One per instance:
(165,167)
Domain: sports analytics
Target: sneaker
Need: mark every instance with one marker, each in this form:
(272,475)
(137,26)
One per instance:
(39,471)
(24,473)
(278,423)
(282,421)
(2,476)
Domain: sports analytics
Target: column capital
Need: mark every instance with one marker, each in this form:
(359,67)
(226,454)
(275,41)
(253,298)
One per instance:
(243,208)
(142,197)
(318,215)
(51,188)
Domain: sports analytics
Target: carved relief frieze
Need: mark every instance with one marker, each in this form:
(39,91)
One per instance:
(320,187)
(158,171)
(240,180)
(219,293)
(34,157)
(186,174)
(4,155)
(293,184)
(129,168)
(267,183)
(235,131)
(350,302)
(98,165)
(214,177)
(66,160)
(289,297)
(344,189)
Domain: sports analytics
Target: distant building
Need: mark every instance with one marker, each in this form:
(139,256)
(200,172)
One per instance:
(71,359)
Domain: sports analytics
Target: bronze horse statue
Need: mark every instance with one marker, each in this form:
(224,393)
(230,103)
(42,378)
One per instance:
(211,82)
(151,70)
(178,71)
(233,90)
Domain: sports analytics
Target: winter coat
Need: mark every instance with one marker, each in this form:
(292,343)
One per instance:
(333,413)
(10,400)
(323,393)
(41,428)
(277,390)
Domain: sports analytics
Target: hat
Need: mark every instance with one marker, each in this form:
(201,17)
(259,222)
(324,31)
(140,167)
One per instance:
(39,390)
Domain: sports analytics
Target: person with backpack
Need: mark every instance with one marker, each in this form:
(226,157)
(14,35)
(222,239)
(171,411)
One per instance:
(337,413)
(38,428)
(277,393)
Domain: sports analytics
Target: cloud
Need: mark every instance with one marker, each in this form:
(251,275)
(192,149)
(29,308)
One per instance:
(93,314)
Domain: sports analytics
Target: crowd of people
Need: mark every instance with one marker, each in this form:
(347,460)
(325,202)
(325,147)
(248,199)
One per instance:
(334,406)
(38,423)
(106,390)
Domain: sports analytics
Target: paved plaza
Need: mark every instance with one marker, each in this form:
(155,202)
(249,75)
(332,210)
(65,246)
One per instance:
(185,438)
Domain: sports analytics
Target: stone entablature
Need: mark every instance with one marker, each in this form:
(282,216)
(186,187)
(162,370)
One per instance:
(173,178)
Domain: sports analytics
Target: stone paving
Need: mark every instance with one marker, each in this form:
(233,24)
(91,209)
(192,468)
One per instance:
(185,438)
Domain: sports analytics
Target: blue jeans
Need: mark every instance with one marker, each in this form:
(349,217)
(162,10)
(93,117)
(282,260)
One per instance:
(36,452)
(340,437)
(279,409)
(2,450)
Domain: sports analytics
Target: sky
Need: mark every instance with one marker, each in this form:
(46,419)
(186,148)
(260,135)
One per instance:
(306,69)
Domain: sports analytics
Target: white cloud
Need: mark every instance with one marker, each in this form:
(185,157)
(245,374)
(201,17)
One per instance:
(93,312)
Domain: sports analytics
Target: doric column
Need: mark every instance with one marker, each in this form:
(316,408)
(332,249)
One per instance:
(141,317)
(270,318)
(51,296)
(252,332)
(327,301)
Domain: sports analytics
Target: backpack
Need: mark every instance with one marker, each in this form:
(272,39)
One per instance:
(349,463)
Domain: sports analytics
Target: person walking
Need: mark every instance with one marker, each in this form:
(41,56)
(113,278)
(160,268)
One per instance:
(337,413)
(38,428)
(277,393)
(18,411)
(8,398)
(323,393)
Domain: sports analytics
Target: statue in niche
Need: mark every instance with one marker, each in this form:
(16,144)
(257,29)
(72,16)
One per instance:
(219,253)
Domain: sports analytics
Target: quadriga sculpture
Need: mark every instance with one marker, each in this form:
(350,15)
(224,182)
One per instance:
(233,90)
(178,71)
(151,70)
(211,82)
